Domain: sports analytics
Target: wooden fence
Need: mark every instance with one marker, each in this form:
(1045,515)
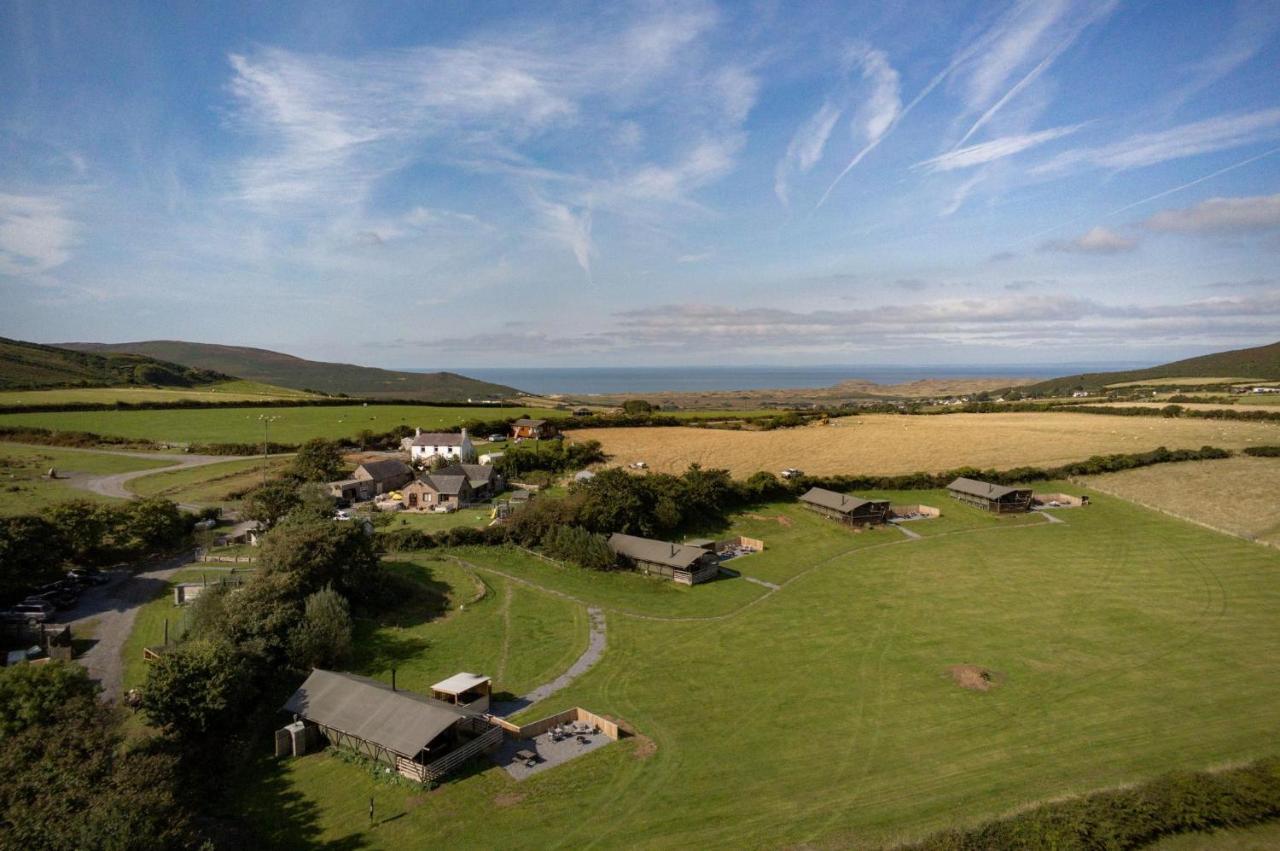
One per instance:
(542,725)
(487,740)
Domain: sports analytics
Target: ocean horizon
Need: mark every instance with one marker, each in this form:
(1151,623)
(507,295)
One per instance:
(652,379)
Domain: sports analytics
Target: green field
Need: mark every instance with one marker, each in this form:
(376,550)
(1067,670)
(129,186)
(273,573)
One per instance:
(242,425)
(208,484)
(1125,644)
(227,391)
(477,516)
(24,490)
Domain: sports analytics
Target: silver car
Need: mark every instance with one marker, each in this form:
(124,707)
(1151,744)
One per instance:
(30,612)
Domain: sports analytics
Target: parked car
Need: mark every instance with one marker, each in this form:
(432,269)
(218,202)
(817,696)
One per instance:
(494,438)
(87,576)
(792,473)
(57,593)
(38,611)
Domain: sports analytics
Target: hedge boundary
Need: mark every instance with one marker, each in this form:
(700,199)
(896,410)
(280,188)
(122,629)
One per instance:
(1131,816)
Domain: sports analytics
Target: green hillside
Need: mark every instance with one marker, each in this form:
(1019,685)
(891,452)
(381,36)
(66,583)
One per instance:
(1260,362)
(33,366)
(284,370)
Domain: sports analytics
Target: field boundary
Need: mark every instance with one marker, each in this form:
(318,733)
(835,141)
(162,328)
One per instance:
(1175,515)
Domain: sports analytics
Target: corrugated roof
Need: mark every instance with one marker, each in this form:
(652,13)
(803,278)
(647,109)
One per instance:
(986,490)
(657,552)
(843,503)
(400,721)
(529,423)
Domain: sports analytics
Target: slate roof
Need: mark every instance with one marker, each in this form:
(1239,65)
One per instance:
(529,423)
(656,552)
(437,438)
(387,469)
(986,490)
(843,503)
(400,721)
(449,480)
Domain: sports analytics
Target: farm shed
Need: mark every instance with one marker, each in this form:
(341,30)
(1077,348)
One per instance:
(997,498)
(846,509)
(528,429)
(422,738)
(678,562)
(371,479)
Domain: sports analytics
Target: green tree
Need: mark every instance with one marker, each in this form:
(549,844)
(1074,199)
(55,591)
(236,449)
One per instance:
(82,526)
(69,784)
(153,524)
(323,638)
(318,460)
(198,689)
(269,503)
(32,551)
(30,695)
(637,406)
(314,498)
(319,552)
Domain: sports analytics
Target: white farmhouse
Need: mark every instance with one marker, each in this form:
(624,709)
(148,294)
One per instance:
(426,444)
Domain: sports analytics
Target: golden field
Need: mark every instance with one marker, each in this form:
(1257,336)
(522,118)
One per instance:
(885,444)
(1237,495)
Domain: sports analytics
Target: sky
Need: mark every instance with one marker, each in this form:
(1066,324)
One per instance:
(442,184)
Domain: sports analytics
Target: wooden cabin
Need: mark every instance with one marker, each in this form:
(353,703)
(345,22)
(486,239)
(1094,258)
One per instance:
(998,499)
(849,510)
(681,563)
(420,737)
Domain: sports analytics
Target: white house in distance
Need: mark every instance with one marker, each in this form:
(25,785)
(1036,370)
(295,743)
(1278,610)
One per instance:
(427,444)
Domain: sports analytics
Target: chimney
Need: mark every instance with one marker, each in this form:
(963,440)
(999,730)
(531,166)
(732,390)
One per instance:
(417,432)
(393,679)
(464,434)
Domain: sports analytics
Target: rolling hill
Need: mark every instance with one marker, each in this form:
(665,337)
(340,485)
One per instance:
(285,370)
(26,366)
(1260,362)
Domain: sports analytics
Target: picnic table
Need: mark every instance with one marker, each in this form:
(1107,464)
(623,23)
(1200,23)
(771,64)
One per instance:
(527,756)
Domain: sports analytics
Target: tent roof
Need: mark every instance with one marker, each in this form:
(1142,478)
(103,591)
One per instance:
(400,721)
(656,552)
(843,503)
(985,490)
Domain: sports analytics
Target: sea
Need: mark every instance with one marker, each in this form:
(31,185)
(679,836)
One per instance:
(577,381)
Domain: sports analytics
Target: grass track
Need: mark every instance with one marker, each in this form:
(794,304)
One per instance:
(24,490)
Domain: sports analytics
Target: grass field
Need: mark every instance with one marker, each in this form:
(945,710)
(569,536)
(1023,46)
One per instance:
(210,484)
(888,443)
(242,425)
(227,391)
(1243,403)
(24,490)
(477,516)
(1185,381)
(1125,644)
(1240,495)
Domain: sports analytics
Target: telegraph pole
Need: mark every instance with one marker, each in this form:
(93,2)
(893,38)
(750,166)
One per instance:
(266,442)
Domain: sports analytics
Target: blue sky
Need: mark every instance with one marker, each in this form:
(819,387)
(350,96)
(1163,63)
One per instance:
(446,184)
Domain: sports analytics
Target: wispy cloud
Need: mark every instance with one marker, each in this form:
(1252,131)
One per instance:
(805,149)
(1145,149)
(1221,215)
(996,149)
(36,235)
(879,111)
(1098,240)
(1038,31)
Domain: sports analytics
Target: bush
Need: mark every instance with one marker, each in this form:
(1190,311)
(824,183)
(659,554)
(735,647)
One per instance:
(1131,817)
(583,548)
(1263,451)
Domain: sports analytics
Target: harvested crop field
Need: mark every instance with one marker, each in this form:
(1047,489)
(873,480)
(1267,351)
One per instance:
(1236,495)
(885,444)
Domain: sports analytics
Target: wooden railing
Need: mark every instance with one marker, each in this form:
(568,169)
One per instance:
(489,739)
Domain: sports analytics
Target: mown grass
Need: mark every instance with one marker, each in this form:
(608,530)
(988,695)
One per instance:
(208,484)
(227,391)
(477,516)
(1127,644)
(148,626)
(25,490)
(242,425)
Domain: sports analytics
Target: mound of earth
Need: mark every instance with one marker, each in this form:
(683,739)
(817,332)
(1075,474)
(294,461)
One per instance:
(975,677)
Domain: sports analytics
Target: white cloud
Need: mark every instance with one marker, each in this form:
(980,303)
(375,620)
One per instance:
(1145,149)
(1098,240)
(996,149)
(805,148)
(36,235)
(1221,215)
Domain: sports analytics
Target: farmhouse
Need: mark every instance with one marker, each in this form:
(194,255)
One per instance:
(452,487)
(681,563)
(846,509)
(989,497)
(429,444)
(527,429)
(420,737)
(373,478)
